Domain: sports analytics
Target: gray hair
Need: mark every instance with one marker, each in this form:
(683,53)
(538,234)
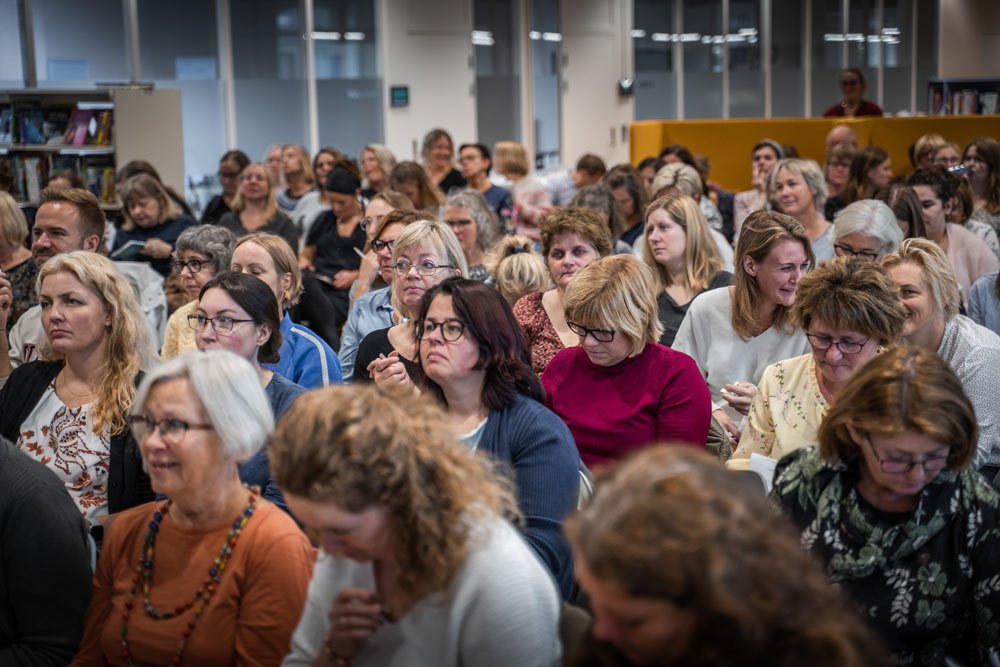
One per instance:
(230,392)
(871,217)
(678,175)
(810,172)
(598,197)
(487,225)
(215,243)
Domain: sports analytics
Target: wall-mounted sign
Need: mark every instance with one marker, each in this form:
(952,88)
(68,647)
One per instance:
(399,96)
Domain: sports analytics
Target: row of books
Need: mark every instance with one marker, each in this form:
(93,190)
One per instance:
(964,102)
(32,173)
(56,125)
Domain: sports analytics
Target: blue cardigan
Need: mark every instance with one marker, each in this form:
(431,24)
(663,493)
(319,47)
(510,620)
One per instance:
(540,449)
(306,359)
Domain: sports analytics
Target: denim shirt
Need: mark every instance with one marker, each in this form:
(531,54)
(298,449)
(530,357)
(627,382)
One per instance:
(371,312)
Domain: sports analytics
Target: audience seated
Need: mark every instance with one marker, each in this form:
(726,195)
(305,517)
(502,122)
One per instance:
(982,157)
(530,196)
(625,183)
(924,148)
(648,168)
(905,205)
(369,272)
(984,302)
(734,333)
(200,253)
(418,564)
(836,170)
(16,263)
(516,268)
(571,239)
(315,203)
(475,226)
(256,209)
(474,358)
(763,157)
(598,198)
(866,229)
(679,248)
(850,311)
(152,220)
(196,417)
(438,153)
(305,358)
(947,155)
(686,564)
(231,165)
(619,389)
(410,179)
(563,186)
(900,521)
(930,295)
(871,169)
(298,176)
(961,214)
(377,162)
(852,87)
(476,163)
(799,190)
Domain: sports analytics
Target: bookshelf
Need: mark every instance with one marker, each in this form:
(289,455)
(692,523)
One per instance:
(962,97)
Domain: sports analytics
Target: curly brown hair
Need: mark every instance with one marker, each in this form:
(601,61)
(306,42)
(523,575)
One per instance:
(359,447)
(583,222)
(672,523)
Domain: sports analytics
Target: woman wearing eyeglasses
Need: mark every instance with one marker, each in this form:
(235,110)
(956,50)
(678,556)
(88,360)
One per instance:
(619,389)
(231,165)
(469,215)
(890,505)
(850,311)
(425,253)
(70,410)
(216,575)
(201,252)
(852,87)
(866,229)
(474,358)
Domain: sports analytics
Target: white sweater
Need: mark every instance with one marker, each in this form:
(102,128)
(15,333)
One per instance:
(707,336)
(502,609)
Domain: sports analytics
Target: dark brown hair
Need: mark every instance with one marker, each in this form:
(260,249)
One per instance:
(857,183)
(256,298)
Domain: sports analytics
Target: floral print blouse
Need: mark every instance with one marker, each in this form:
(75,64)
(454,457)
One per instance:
(542,337)
(927,580)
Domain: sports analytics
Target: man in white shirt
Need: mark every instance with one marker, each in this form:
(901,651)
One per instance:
(67,220)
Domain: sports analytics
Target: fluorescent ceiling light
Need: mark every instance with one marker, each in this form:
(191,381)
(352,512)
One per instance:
(334,36)
(638,34)
(354,36)
(552,36)
(534,34)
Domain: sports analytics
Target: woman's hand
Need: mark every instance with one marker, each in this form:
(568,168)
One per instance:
(760,178)
(355,616)
(344,279)
(368,271)
(388,370)
(732,430)
(740,396)
(157,249)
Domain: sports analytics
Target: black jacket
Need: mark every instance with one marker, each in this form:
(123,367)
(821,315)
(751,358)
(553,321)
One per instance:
(128,485)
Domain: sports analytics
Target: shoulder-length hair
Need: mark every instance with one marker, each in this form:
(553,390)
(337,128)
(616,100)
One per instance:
(12,222)
(701,256)
(412,173)
(511,158)
(386,160)
(905,205)
(257,299)
(761,232)
(988,150)
(935,269)
(598,198)
(432,138)
(229,390)
(358,447)
(303,155)
(503,351)
(142,186)
(284,262)
(129,347)
(628,177)
(857,184)
(487,226)
(907,388)
(616,293)
(271,208)
(672,524)
(436,234)
(809,171)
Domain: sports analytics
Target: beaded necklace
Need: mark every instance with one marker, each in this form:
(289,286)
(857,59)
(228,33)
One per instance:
(201,597)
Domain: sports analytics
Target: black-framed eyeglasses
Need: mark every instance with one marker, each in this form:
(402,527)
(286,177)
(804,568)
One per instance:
(600,335)
(459,223)
(824,343)
(451,329)
(425,268)
(171,430)
(899,464)
(221,324)
(229,174)
(195,265)
(379,245)
(843,251)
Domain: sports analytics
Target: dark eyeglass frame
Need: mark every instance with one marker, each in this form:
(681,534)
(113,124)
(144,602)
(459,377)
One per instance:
(460,223)
(863,254)
(171,430)
(216,322)
(195,265)
(365,221)
(225,174)
(907,466)
(426,327)
(423,270)
(600,335)
(378,245)
(824,343)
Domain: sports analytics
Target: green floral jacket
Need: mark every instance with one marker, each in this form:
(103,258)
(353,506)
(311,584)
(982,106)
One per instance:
(929,582)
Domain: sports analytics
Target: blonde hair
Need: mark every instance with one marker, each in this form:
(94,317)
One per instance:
(926,145)
(12,221)
(934,268)
(809,171)
(438,235)
(678,175)
(616,292)
(272,194)
(410,172)
(510,157)
(141,186)
(284,262)
(386,160)
(359,447)
(517,267)
(128,348)
(304,161)
(702,260)
(761,232)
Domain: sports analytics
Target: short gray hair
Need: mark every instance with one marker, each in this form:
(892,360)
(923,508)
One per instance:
(810,172)
(487,225)
(678,175)
(230,392)
(214,242)
(871,217)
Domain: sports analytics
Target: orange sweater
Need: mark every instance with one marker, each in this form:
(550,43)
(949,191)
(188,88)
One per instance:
(248,621)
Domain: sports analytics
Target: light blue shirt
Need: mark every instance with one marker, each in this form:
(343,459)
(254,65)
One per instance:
(984,306)
(371,312)
(823,246)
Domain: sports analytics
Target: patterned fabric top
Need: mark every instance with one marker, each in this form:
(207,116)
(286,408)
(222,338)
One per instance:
(542,337)
(62,439)
(984,231)
(992,219)
(928,581)
(22,284)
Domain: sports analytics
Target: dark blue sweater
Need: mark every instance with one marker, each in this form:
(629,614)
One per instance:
(540,449)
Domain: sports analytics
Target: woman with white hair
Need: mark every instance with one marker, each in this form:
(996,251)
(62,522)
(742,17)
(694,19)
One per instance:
(475,226)
(866,229)
(799,189)
(196,417)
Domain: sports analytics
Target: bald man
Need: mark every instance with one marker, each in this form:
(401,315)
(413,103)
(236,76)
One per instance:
(840,134)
